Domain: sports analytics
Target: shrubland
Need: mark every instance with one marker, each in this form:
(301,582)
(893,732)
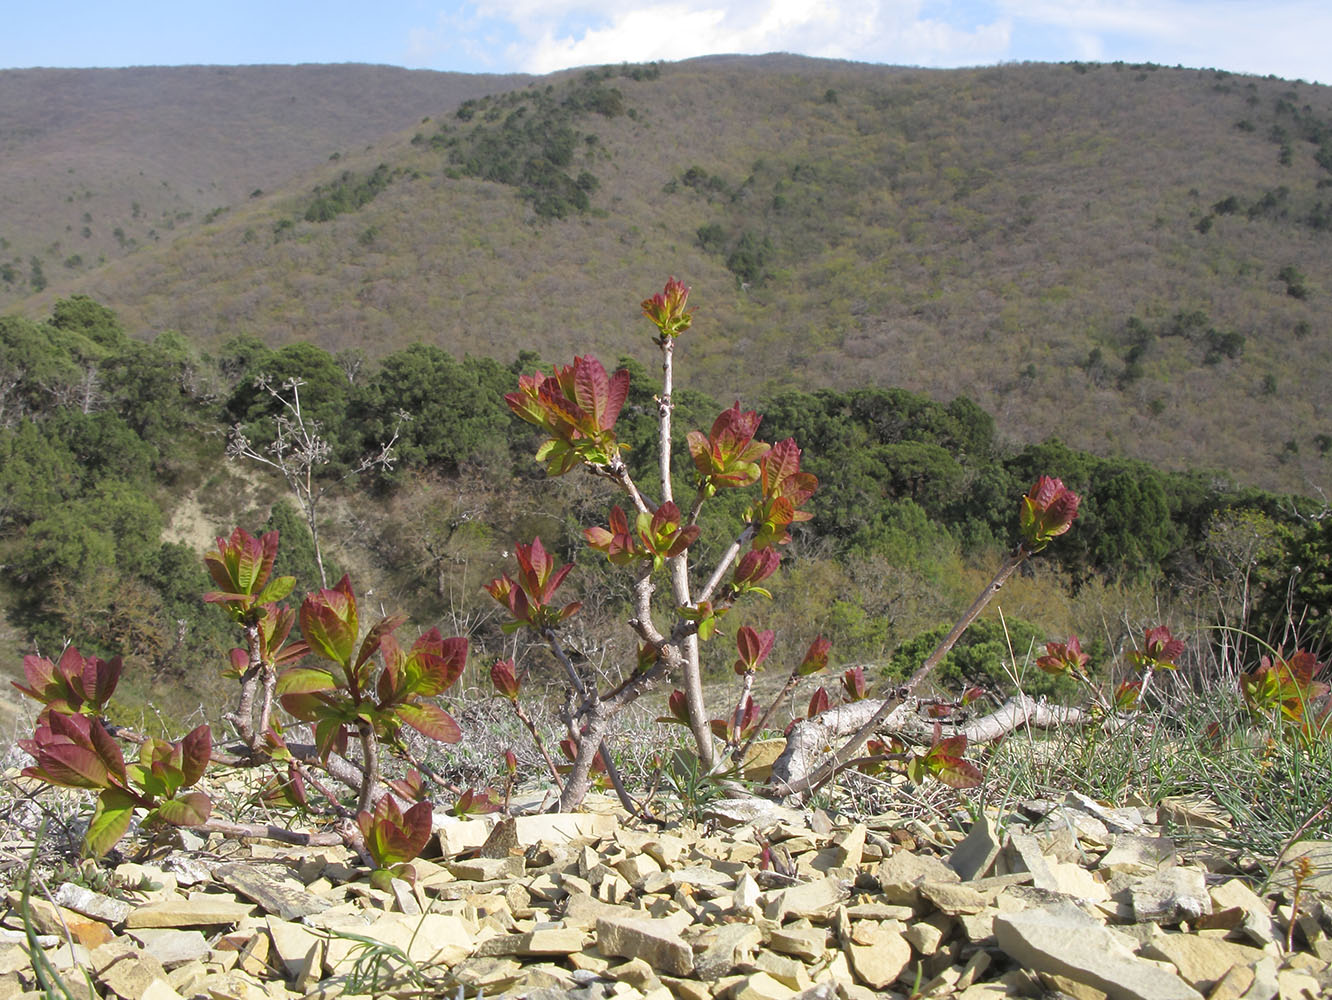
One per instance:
(114,478)
(322,715)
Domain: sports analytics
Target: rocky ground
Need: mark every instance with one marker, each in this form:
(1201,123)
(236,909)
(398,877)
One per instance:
(1054,898)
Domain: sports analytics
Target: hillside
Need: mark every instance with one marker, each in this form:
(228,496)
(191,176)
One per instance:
(1100,253)
(96,164)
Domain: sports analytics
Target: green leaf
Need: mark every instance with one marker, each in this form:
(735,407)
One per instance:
(190,809)
(276,590)
(305,680)
(110,819)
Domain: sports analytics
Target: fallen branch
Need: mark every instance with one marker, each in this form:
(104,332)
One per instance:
(808,742)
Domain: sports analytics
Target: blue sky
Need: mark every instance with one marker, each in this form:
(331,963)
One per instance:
(1288,38)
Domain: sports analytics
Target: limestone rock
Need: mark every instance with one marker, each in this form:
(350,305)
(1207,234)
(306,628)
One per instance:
(1202,961)
(976,854)
(812,900)
(131,977)
(655,941)
(272,887)
(726,947)
(879,961)
(1171,895)
(172,947)
(808,943)
(1257,920)
(200,909)
(1024,854)
(1139,855)
(901,873)
(1064,941)
(92,904)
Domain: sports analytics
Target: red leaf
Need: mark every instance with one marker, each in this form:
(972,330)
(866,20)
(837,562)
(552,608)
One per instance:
(196,751)
(504,678)
(819,703)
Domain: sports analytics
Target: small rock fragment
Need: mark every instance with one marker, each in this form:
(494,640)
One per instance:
(975,856)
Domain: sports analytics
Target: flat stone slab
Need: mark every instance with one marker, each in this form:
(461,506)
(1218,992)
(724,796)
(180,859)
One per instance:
(1066,942)
(200,909)
(170,946)
(273,887)
(92,904)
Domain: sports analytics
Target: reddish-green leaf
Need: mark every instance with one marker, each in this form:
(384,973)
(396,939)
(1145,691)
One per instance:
(435,663)
(753,648)
(1062,657)
(505,679)
(474,802)
(816,657)
(373,638)
(71,766)
(1047,511)
(819,702)
(393,837)
(954,771)
(329,623)
(277,590)
(430,720)
(666,309)
(678,705)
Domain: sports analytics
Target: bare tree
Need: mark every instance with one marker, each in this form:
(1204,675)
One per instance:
(299,450)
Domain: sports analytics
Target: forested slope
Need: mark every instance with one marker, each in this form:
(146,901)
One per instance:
(1098,252)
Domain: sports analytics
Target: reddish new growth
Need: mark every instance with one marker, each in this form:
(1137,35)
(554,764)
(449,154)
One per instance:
(1159,650)
(1047,512)
(666,309)
(1063,658)
(577,406)
(529,597)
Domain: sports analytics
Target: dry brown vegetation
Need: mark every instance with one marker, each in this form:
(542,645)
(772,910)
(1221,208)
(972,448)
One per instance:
(101,163)
(987,232)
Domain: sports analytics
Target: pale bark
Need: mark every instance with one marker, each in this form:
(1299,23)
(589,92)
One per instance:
(809,741)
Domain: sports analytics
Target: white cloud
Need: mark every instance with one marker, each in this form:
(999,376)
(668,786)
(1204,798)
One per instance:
(563,33)
(1285,37)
